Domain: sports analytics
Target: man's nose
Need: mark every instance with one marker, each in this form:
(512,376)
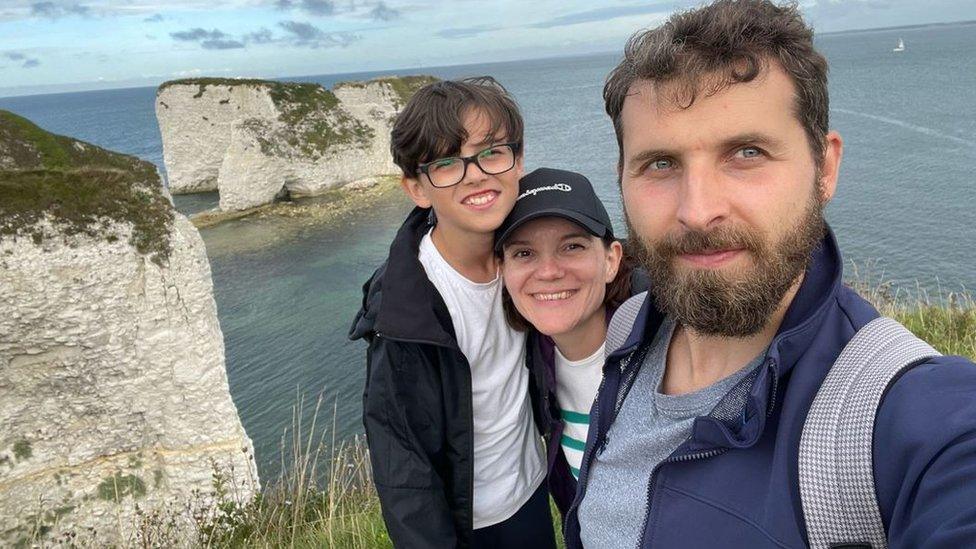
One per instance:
(702,202)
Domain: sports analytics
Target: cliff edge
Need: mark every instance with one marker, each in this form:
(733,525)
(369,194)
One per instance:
(114,400)
(255,140)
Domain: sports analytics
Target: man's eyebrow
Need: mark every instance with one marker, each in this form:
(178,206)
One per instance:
(751,138)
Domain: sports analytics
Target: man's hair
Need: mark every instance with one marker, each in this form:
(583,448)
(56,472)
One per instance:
(431,125)
(708,49)
(618,291)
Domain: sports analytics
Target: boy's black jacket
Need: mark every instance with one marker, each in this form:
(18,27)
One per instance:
(417,400)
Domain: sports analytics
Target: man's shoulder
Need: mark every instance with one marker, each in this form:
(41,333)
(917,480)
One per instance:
(927,408)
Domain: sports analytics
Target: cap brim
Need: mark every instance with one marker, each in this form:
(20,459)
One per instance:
(591,225)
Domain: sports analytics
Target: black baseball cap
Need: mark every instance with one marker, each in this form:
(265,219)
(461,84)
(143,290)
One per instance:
(547,192)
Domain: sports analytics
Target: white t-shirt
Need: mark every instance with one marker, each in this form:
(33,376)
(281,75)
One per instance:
(509,461)
(577,383)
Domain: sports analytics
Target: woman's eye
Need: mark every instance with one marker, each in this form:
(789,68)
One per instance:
(521,254)
(575,246)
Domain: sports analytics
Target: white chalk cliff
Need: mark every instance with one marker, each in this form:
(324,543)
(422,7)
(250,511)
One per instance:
(253,140)
(113,389)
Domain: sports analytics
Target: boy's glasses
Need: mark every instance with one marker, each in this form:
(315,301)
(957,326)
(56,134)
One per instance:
(447,172)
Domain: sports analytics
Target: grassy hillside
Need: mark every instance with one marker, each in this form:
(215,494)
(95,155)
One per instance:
(78,187)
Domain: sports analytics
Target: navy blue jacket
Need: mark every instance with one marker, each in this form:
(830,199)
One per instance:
(734,482)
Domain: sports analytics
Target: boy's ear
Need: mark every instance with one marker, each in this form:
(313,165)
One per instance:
(520,165)
(415,190)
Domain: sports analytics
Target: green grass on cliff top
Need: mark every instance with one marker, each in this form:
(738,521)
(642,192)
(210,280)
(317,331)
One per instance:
(79,187)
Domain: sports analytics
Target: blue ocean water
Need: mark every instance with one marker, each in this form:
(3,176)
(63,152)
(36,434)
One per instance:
(287,292)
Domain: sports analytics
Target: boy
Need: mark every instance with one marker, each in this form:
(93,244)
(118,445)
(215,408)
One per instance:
(457,460)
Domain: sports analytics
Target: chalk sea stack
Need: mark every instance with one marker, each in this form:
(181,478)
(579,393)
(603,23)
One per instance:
(113,388)
(255,140)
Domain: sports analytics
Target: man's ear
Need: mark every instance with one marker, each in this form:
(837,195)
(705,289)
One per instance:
(830,168)
(415,190)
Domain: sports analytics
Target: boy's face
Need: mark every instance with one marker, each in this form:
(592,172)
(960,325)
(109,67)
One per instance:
(480,202)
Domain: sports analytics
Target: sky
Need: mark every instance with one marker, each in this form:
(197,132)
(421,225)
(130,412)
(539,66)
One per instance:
(60,45)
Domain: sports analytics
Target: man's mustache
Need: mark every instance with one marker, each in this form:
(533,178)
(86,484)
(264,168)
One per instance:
(696,242)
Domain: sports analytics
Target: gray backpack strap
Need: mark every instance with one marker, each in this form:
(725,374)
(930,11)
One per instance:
(837,489)
(622,322)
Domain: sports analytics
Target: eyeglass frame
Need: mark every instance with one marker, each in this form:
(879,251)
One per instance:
(516,147)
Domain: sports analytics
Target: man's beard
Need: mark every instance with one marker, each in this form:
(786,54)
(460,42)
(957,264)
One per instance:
(735,304)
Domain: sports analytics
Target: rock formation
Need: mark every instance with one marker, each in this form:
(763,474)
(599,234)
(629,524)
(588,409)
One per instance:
(113,390)
(252,140)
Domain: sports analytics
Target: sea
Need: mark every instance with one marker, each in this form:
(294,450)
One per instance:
(287,290)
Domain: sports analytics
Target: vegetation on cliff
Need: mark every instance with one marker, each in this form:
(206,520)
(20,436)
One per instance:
(79,188)
(313,119)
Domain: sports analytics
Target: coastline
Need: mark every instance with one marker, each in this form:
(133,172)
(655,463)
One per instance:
(328,206)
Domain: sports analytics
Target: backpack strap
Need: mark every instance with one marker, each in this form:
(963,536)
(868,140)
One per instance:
(836,466)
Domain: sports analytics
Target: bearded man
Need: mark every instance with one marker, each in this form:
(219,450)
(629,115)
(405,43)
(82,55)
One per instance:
(726,164)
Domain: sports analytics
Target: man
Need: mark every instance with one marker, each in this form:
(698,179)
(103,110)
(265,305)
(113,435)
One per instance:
(726,164)
(456,457)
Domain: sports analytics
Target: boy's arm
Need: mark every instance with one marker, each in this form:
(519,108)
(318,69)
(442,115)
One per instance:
(412,493)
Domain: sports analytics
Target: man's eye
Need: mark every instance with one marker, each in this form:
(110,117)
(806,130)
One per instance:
(749,152)
(660,164)
(490,152)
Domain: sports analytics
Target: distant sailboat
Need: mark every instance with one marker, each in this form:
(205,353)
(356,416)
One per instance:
(901,45)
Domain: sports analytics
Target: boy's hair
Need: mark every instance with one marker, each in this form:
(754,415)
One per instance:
(727,42)
(618,291)
(431,125)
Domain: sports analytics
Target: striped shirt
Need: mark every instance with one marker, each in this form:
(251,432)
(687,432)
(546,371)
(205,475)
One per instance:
(576,385)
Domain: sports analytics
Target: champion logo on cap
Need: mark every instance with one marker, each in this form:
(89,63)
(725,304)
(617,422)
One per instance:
(557,187)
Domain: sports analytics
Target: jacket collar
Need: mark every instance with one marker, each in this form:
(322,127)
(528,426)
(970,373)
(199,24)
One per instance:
(411,309)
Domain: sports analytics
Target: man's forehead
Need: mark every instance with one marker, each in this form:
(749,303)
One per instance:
(755,104)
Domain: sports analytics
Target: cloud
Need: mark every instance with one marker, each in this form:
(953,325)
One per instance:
(382,12)
(25,61)
(465,32)
(198,33)
(313,7)
(308,35)
(56,10)
(154,19)
(221,44)
(214,39)
(262,36)
(603,14)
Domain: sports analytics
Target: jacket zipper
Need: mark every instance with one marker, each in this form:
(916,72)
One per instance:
(704,454)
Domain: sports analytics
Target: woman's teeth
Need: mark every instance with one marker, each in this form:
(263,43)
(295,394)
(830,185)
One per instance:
(554,297)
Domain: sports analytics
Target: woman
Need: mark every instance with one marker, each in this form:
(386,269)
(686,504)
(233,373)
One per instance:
(564,274)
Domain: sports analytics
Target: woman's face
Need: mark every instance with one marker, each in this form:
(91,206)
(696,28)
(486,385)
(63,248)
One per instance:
(557,273)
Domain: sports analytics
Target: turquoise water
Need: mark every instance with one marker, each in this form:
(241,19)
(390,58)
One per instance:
(286,292)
